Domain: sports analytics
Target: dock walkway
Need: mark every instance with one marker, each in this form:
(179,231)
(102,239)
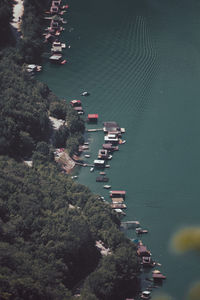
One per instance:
(94,130)
(84,164)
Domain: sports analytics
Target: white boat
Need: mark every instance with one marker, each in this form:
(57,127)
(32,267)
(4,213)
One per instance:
(146,295)
(110,157)
(120,211)
(122,142)
(85,94)
(74,177)
(86,143)
(107,166)
(87,155)
(91,169)
(107,186)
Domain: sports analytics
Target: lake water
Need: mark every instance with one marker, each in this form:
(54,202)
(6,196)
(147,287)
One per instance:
(140,60)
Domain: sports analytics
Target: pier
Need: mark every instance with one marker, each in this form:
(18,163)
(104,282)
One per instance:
(94,130)
(84,164)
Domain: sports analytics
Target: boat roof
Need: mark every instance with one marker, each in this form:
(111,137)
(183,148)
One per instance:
(75,101)
(93,116)
(56,57)
(108,146)
(118,200)
(103,151)
(109,138)
(78,108)
(99,161)
(146,293)
(142,248)
(32,66)
(118,192)
(110,124)
(158,276)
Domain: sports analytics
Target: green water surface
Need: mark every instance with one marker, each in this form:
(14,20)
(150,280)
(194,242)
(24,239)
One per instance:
(140,60)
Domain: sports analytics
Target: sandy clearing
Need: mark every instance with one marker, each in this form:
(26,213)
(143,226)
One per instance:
(18,10)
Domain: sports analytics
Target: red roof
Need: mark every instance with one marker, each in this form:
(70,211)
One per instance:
(158,276)
(75,101)
(118,192)
(93,116)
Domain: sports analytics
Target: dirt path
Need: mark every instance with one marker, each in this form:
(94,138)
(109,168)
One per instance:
(18,10)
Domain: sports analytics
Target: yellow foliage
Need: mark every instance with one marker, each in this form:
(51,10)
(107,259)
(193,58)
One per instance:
(162,297)
(186,239)
(194,293)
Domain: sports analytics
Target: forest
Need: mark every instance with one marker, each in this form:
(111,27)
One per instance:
(49,225)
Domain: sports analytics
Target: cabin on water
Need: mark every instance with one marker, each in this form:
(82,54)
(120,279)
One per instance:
(56,58)
(103,154)
(92,118)
(102,179)
(54,9)
(99,163)
(143,251)
(117,194)
(110,147)
(110,126)
(56,2)
(117,200)
(158,277)
(75,103)
(118,205)
(79,109)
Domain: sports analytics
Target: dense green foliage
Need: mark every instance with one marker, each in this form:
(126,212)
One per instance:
(23,110)
(69,136)
(5,18)
(48,237)
(31,46)
(24,120)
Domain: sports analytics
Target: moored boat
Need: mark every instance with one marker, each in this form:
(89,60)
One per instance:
(85,93)
(139,230)
(107,186)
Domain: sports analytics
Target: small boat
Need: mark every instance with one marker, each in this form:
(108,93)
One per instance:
(91,169)
(86,143)
(122,142)
(146,295)
(109,156)
(74,177)
(139,230)
(107,166)
(63,62)
(69,46)
(102,173)
(107,186)
(87,155)
(102,179)
(85,94)
(120,211)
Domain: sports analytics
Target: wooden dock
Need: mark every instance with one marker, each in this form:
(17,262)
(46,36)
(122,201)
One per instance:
(94,130)
(84,164)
